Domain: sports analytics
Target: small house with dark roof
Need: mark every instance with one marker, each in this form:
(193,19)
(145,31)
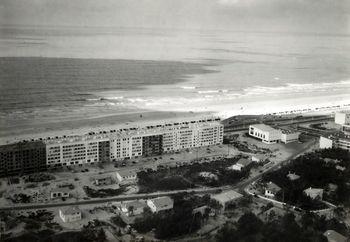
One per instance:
(271,189)
(160,204)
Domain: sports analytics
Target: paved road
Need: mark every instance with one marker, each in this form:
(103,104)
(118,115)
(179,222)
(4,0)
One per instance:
(240,186)
(113,199)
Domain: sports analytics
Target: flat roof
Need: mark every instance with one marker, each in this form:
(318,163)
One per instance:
(123,173)
(263,127)
(227,196)
(146,128)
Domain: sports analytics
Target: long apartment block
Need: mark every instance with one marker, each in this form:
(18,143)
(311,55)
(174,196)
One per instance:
(117,145)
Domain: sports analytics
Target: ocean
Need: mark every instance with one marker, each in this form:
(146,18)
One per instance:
(50,74)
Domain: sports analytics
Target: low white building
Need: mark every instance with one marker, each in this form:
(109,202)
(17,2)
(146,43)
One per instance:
(241,164)
(133,208)
(126,176)
(272,189)
(266,133)
(314,193)
(227,197)
(60,193)
(70,214)
(289,136)
(160,204)
(342,118)
(337,140)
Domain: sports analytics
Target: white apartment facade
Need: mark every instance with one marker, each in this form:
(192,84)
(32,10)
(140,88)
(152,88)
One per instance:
(73,151)
(342,142)
(130,143)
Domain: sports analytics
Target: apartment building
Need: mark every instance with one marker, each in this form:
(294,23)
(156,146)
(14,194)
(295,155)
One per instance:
(114,145)
(22,158)
(77,150)
(338,140)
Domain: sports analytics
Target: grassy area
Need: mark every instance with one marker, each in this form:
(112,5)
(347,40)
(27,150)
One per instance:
(108,192)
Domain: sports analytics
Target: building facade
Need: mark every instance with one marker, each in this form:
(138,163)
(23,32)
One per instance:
(114,145)
(22,158)
(266,133)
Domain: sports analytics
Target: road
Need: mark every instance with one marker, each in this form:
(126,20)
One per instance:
(112,199)
(240,186)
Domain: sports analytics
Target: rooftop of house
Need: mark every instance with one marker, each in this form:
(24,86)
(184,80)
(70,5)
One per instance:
(61,189)
(227,196)
(135,204)
(334,236)
(161,202)
(273,187)
(126,173)
(244,162)
(311,190)
(70,210)
(293,176)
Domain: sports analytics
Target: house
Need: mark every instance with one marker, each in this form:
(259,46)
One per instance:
(314,193)
(293,176)
(258,158)
(160,204)
(208,175)
(241,164)
(103,180)
(60,193)
(126,176)
(226,198)
(271,189)
(70,214)
(334,236)
(133,208)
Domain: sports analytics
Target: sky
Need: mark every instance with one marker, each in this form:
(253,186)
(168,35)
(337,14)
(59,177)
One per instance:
(320,16)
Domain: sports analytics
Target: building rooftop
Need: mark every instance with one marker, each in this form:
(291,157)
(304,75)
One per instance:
(263,127)
(227,196)
(334,236)
(120,130)
(273,187)
(244,162)
(124,173)
(135,204)
(70,210)
(313,191)
(293,176)
(161,202)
